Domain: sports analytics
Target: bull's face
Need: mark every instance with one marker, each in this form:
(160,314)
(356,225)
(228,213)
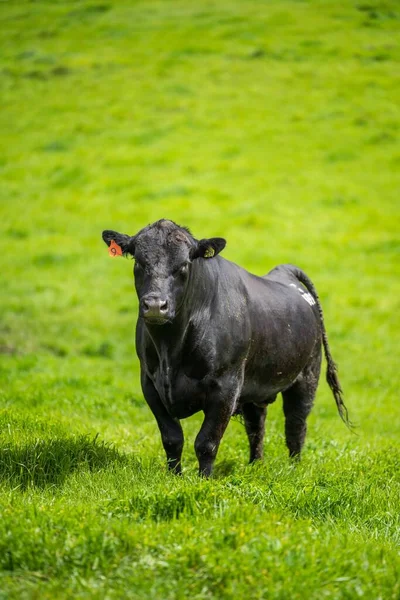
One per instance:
(163,254)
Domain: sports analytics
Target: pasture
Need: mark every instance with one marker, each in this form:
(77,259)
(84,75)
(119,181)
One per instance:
(275,125)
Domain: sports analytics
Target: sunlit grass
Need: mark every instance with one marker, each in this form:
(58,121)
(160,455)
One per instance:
(276,126)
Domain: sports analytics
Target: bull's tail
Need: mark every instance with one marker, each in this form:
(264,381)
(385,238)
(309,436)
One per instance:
(332,371)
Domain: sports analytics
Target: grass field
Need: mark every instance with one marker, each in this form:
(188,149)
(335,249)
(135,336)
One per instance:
(276,125)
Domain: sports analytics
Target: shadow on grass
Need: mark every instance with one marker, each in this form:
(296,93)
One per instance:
(223,468)
(49,462)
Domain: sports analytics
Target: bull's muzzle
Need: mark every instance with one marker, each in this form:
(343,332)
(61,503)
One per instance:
(155,309)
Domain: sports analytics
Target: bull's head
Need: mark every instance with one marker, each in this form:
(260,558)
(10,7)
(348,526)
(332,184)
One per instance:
(163,254)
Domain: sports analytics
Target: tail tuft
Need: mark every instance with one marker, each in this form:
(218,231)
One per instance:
(334,383)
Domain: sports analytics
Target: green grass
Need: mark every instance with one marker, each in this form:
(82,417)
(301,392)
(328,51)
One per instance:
(276,125)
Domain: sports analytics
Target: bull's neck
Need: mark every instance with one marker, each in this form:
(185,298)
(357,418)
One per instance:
(201,288)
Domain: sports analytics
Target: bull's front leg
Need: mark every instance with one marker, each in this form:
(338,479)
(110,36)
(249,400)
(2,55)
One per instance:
(220,406)
(170,428)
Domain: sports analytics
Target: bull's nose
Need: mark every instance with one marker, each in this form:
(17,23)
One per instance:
(154,307)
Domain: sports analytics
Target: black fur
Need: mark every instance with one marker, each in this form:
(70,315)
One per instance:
(212,337)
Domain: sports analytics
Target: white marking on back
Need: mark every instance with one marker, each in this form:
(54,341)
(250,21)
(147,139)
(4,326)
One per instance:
(306,295)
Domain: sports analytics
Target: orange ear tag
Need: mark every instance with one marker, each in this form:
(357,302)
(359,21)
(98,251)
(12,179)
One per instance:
(114,249)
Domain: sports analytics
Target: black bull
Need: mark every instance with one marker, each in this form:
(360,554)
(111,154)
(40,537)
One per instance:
(213,337)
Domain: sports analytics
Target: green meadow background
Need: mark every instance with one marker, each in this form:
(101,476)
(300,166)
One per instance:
(275,124)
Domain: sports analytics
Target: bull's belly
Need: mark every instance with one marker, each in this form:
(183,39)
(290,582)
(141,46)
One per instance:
(183,396)
(261,392)
(183,399)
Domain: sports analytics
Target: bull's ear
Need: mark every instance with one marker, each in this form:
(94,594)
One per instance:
(208,248)
(125,242)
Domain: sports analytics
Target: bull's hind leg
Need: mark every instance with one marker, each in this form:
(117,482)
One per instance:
(297,403)
(254,420)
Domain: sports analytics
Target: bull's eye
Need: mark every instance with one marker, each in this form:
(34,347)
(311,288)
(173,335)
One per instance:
(183,269)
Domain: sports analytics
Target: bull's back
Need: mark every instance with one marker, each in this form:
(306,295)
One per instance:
(265,321)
